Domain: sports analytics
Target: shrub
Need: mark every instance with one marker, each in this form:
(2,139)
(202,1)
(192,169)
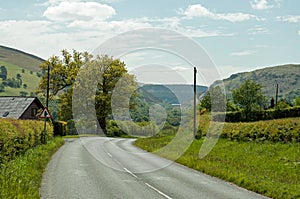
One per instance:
(258,115)
(17,136)
(279,130)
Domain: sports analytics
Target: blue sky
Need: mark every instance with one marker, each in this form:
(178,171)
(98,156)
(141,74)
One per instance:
(238,35)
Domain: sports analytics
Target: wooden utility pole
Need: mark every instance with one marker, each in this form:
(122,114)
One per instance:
(276,98)
(195,103)
(47,103)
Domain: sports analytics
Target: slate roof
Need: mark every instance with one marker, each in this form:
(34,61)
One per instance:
(14,107)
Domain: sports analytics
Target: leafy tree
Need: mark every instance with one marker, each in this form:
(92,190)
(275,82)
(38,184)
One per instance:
(113,70)
(23,70)
(282,104)
(12,82)
(25,86)
(63,72)
(214,99)
(296,101)
(2,88)
(3,72)
(23,93)
(249,97)
(19,78)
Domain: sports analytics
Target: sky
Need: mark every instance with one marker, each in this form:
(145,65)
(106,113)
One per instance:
(236,35)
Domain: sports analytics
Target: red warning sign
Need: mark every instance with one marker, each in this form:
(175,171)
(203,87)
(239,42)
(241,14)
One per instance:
(45,113)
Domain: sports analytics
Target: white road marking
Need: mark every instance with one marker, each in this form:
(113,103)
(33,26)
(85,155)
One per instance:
(130,172)
(109,154)
(158,191)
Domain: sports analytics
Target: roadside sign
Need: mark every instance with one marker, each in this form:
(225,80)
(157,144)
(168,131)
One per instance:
(45,113)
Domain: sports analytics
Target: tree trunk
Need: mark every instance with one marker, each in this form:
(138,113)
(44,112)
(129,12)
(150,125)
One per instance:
(102,123)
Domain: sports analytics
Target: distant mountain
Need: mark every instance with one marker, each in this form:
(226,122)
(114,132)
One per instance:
(172,94)
(287,77)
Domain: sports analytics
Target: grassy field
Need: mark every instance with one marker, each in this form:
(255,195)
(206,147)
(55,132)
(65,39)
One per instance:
(22,177)
(268,168)
(31,80)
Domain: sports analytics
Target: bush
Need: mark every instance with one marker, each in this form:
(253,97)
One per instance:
(113,129)
(258,115)
(17,136)
(280,130)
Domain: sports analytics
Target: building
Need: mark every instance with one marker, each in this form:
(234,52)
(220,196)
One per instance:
(20,107)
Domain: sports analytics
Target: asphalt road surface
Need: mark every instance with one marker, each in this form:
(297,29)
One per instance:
(100,167)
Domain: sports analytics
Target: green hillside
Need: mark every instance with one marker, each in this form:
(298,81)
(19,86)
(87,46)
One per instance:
(22,69)
(20,58)
(287,77)
(30,80)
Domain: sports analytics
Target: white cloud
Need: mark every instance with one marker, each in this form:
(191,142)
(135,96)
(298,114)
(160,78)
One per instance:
(197,10)
(258,30)
(299,32)
(83,11)
(243,53)
(289,18)
(261,5)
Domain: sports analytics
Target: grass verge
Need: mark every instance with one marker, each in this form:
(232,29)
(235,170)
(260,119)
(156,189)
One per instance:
(22,177)
(271,169)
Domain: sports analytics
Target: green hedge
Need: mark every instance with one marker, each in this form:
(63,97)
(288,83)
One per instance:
(258,115)
(17,136)
(279,130)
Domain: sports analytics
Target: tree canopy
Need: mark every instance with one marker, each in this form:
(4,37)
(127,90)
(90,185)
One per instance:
(249,97)
(103,71)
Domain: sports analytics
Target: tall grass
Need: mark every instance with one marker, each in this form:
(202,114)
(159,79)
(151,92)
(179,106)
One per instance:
(22,177)
(247,156)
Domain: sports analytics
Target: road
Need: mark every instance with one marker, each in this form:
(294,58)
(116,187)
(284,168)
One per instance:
(100,167)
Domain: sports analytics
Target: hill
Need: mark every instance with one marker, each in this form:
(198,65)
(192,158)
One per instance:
(286,76)
(20,58)
(19,72)
(173,93)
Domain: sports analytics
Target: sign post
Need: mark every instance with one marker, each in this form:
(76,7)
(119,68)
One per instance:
(45,114)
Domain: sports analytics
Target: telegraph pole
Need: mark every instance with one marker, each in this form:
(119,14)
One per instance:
(47,103)
(276,98)
(195,103)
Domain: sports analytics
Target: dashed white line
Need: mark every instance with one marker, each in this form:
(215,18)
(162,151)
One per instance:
(109,154)
(158,191)
(130,172)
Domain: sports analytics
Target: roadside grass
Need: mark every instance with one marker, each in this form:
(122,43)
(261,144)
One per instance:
(271,169)
(93,135)
(71,136)
(22,177)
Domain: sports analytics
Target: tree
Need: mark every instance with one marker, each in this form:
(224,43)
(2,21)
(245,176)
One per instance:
(2,88)
(3,72)
(63,72)
(23,93)
(249,97)
(296,101)
(19,77)
(113,70)
(214,100)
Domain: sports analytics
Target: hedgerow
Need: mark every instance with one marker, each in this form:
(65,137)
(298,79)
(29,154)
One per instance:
(17,136)
(277,130)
